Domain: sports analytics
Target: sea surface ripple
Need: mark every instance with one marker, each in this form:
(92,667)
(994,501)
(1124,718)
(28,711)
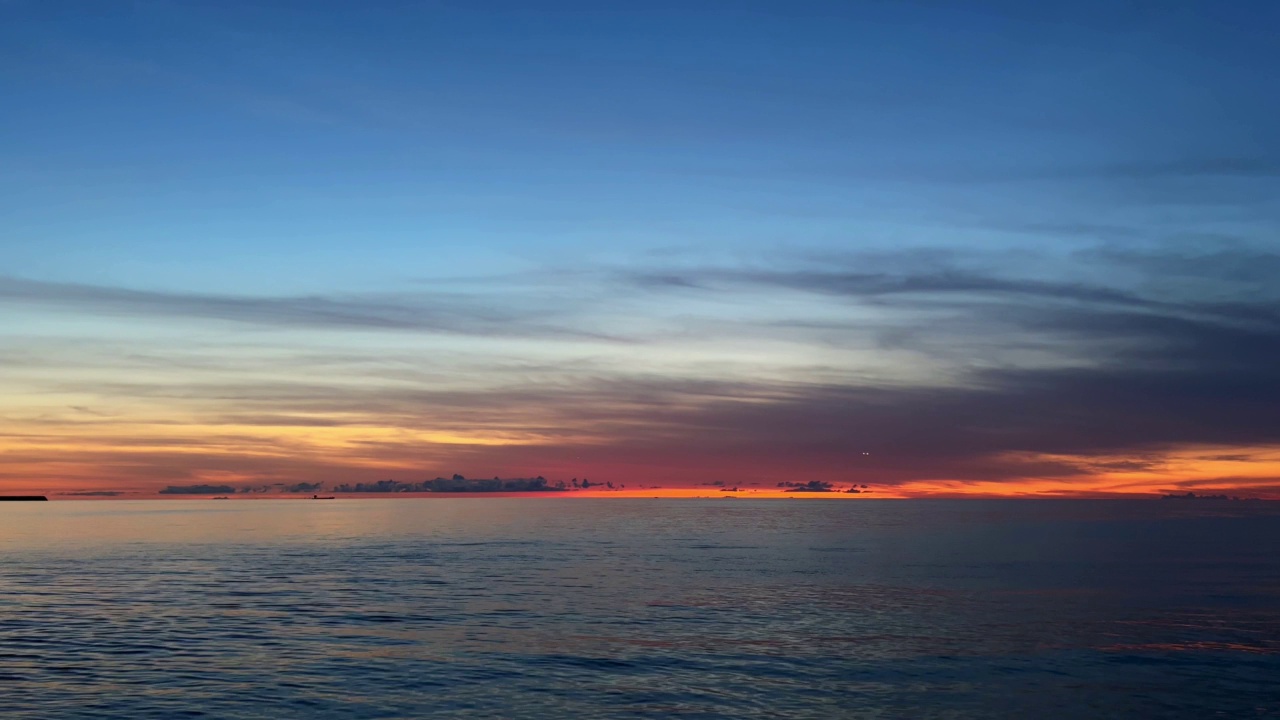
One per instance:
(559,608)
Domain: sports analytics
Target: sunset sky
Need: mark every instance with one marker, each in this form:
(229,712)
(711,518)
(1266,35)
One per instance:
(934,247)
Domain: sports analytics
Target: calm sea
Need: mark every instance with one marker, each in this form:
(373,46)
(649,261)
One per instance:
(561,608)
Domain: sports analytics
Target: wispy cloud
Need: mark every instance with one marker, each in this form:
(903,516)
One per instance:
(1181,354)
(452,313)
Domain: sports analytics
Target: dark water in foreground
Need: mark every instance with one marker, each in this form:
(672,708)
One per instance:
(639,608)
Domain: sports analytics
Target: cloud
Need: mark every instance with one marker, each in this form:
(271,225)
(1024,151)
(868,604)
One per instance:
(1126,365)
(1232,266)
(1154,364)
(871,285)
(453,313)
(1000,424)
(198,490)
(1208,170)
(1205,166)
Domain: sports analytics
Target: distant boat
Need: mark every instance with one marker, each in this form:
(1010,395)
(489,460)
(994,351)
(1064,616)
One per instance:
(23,498)
(328,497)
(222,497)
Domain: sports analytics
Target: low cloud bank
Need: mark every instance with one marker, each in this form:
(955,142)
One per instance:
(198,490)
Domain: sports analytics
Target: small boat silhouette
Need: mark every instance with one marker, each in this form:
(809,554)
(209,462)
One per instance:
(317,497)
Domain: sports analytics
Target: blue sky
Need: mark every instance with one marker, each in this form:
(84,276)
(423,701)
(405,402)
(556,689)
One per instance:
(164,139)
(687,191)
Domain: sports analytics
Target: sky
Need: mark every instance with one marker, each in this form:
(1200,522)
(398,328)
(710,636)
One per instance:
(936,248)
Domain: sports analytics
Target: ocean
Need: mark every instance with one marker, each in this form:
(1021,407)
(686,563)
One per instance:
(628,608)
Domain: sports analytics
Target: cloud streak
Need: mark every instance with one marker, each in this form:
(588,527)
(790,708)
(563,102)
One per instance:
(457,313)
(1170,373)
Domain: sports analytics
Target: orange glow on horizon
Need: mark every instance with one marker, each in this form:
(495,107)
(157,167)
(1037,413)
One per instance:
(1246,472)
(138,459)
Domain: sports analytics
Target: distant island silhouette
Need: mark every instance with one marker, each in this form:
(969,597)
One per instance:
(23,498)
(455,484)
(1193,496)
(461,484)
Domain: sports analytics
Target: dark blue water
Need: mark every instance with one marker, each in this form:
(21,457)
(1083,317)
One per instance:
(555,608)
